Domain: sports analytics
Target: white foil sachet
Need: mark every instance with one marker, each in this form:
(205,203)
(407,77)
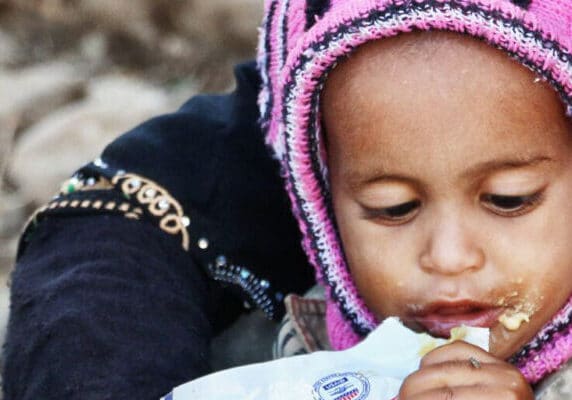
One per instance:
(373,369)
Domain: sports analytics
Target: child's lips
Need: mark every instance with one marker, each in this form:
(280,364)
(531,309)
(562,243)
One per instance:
(439,318)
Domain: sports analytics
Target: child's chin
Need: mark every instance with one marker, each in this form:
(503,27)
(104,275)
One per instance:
(504,343)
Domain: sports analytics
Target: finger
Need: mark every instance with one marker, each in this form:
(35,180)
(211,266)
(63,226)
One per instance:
(460,351)
(461,373)
(468,393)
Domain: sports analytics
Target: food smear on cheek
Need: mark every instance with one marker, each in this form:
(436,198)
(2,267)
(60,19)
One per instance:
(513,322)
(513,318)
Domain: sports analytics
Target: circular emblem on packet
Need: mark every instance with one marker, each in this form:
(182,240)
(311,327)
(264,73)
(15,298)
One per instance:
(342,386)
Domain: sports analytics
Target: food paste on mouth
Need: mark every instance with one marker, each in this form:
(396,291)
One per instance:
(430,343)
(512,321)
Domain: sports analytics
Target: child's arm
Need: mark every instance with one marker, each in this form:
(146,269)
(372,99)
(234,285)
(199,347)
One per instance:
(104,308)
(462,371)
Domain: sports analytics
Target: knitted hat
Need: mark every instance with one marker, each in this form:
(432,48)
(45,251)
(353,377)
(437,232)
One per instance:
(302,40)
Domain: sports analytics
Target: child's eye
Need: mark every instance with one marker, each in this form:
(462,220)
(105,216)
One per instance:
(511,206)
(397,214)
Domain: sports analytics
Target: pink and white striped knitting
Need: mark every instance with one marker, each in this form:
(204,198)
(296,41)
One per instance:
(302,40)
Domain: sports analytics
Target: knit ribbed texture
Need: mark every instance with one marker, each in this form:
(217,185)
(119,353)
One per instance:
(550,349)
(294,63)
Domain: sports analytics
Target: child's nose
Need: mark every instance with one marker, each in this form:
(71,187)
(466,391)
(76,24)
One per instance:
(451,249)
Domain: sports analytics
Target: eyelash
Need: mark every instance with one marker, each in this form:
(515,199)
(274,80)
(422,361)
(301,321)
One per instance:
(511,206)
(505,206)
(394,215)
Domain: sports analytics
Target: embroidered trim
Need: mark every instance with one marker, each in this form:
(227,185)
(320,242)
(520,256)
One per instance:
(156,200)
(159,203)
(74,184)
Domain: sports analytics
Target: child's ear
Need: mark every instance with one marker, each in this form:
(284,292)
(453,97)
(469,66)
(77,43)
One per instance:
(522,3)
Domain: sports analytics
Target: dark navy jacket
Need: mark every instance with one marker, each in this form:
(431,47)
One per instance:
(122,280)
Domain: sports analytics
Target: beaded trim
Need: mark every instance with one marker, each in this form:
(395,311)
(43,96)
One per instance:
(128,210)
(259,291)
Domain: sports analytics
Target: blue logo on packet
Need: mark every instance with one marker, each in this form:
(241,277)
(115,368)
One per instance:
(342,386)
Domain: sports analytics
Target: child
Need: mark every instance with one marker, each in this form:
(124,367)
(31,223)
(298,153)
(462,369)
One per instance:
(428,172)
(430,175)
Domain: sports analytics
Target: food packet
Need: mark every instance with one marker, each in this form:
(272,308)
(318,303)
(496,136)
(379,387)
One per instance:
(373,369)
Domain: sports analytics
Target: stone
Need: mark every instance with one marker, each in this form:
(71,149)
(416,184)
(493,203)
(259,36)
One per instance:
(4,302)
(8,248)
(8,124)
(37,91)
(8,49)
(13,214)
(107,15)
(226,25)
(223,21)
(51,150)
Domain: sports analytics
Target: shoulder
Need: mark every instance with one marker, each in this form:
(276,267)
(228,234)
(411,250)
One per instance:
(204,176)
(185,149)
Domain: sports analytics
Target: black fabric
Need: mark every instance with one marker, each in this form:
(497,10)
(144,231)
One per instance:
(104,308)
(522,3)
(315,9)
(211,156)
(107,307)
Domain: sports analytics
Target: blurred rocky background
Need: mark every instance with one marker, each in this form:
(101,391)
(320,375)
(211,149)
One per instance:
(76,73)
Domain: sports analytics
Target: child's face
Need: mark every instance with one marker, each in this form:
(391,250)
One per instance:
(451,177)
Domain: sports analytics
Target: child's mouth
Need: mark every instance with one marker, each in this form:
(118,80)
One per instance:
(439,318)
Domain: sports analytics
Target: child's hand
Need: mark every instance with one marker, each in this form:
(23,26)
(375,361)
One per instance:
(463,371)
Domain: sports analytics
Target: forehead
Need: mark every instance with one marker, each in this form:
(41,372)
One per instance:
(435,93)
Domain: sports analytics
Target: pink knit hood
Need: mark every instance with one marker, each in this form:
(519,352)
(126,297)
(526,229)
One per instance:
(302,40)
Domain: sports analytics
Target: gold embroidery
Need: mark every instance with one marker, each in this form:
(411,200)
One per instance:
(131,215)
(159,204)
(76,185)
(126,208)
(156,199)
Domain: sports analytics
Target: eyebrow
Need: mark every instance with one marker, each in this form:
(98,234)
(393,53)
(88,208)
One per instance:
(503,164)
(479,169)
(357,180)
